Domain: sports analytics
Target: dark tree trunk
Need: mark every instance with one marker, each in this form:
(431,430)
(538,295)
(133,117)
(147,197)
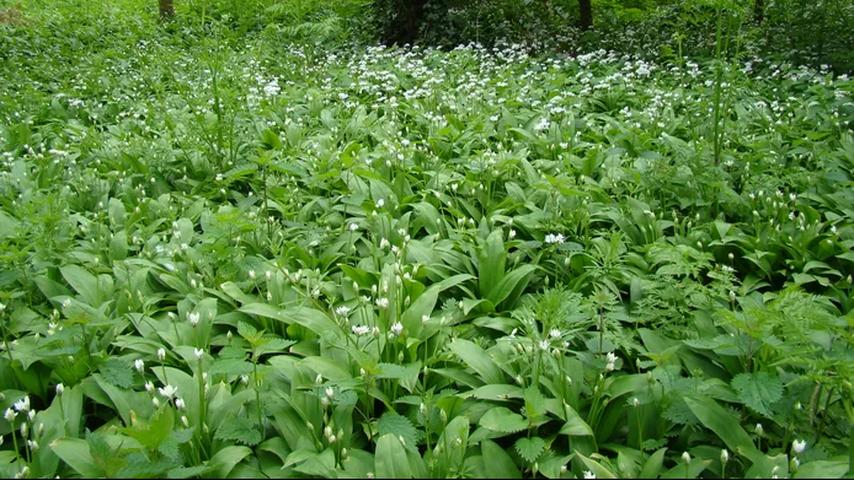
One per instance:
(586,19)
(403,28)
(758,11)
(167,10)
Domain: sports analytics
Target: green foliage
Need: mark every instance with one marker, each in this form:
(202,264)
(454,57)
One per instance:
(236,244)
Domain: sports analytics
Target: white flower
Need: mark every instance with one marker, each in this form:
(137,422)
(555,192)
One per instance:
(686,457)
(22,405)
(342,311)
(139,365)
(384,243)
(185,421)
(34,445)
(382,302)
(179,403)
(252,274)
(512,234)
(360,330)
(272,88)
(589,474)
(798,446)
(380,203)
(759,430)
(396,328)
(353,227)
(10,415)
(635,402)
(149,387)
(168,391)
(544,344)
(329,392)
(194,318)
(199,353)
(161,354)
(554,333)
(554,238)
(724,455)
(611,360)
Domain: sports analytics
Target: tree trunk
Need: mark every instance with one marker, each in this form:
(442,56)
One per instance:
(404,27)
(758,11)
(167,10)
(586,19)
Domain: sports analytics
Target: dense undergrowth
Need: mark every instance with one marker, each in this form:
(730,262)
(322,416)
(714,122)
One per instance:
(223,253)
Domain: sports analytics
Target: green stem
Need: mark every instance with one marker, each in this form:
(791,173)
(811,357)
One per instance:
(258,395)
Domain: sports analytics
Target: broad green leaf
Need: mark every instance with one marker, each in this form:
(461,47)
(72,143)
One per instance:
(474,356)
(690,470)
(511,285)
(75,452)
(491,260)
(575,425)
(652,466)
(498,463)
(823,469)
(83,283)
(598,469)
(328,368)
(224,460)
(725,425)
(390,460)
(495,392)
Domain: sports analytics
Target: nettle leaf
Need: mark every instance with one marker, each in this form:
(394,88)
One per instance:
(530,448)
(400,427)
(758,391)
(117,372)
(501,419)
(241,430)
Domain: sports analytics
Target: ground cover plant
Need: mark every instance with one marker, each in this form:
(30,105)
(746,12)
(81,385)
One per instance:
(229,251)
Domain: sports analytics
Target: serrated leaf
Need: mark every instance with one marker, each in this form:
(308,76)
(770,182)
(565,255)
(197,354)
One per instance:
(530,448)
(239,429)
(117,372)
(501,419)
(399,426)
(758,391)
